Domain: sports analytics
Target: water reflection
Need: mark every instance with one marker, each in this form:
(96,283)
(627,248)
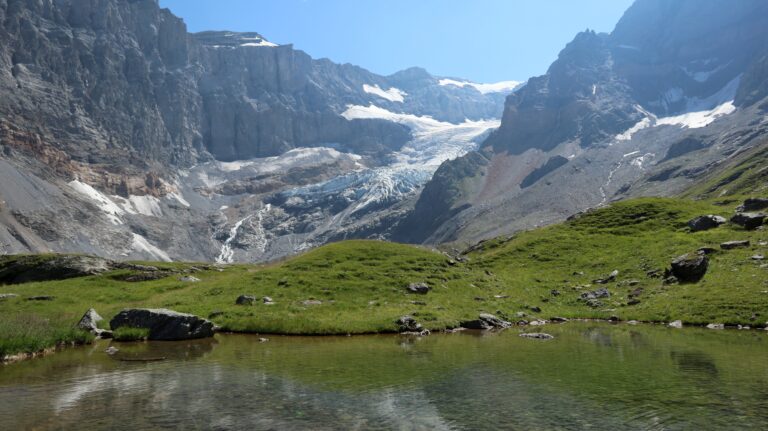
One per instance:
(590,377)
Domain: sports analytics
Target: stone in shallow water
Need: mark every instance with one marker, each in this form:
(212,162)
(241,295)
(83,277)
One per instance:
(715,326)
(164,325)
(408,324)
(677,324)
(486,321)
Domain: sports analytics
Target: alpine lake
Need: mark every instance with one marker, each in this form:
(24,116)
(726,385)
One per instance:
(591,376)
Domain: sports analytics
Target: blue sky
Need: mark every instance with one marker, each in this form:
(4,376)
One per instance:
(481,40)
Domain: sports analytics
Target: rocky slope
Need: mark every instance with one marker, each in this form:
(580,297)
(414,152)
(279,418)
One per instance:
(117,127)
(662,102)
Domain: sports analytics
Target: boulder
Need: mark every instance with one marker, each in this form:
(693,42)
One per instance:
(596,294)
(418,288)
(715,326)
(730,245)
(754,204)
(89,322)
(245,300)
(408,324)
(537,336)
(559,319)
(749,221)
(267,300)
(610,278)
(706,222)
(486,321)
(690,268)
(164,325)
(677,324)
(706,250)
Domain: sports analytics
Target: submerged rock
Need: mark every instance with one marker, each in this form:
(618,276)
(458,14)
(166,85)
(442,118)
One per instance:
(537,336)
(690,268)
(164,325)
(419,288)
(486,321)
(706,222)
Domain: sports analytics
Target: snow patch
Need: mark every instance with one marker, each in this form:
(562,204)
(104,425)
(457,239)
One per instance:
(110,208)
(144,205)
(393,94)
(497,87)
(178,197)
(141,244)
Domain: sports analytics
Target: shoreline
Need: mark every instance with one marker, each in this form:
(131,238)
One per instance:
(23,357)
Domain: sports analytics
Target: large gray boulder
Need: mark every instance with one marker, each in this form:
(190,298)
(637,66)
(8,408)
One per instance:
(749,221)
(485,322)
(706,222)
(164,325)
(690,268)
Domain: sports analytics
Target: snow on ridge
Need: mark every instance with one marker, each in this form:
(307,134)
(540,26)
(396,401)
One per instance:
(699,112)
(393,94)
(294,158)
(141,244)
(497,87)
(260,44)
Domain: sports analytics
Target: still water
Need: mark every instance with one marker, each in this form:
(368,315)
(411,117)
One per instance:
(591,377)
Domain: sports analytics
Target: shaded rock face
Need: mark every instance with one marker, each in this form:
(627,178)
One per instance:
(164,325)
(690,268)
(566,103)
(25,269)
(754,204)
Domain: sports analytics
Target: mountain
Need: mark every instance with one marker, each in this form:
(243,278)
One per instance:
(653,108)
(124,135)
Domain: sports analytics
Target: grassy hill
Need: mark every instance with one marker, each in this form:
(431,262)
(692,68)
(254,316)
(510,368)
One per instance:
(359,287)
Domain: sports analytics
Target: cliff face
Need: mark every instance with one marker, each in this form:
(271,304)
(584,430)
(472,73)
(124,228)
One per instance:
(116,125)
(608,110)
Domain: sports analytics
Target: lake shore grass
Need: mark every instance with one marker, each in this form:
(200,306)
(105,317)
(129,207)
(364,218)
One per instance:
(360,287)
